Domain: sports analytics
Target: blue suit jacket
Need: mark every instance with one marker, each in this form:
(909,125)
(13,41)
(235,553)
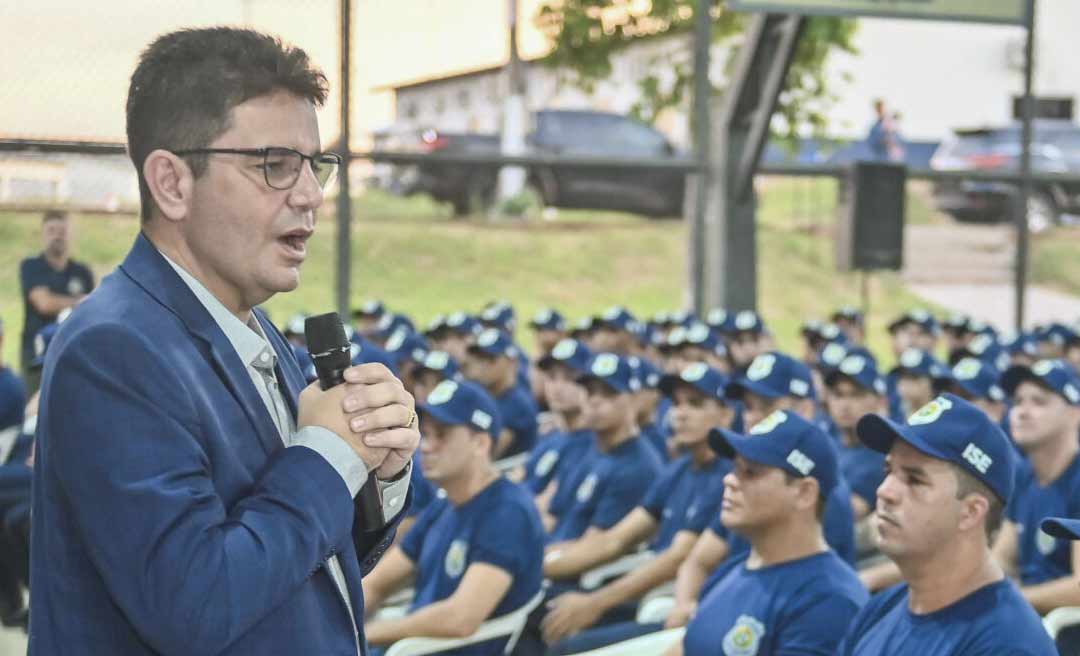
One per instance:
(169,518)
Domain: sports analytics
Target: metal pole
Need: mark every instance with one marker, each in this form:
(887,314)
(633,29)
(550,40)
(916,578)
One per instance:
(702,138)
(1028,112)
(512,179)
(344,200)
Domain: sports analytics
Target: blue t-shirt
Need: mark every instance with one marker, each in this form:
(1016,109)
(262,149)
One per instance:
(995,620)
(604,489)
(364,352)
(896,405)
(423,490)
(657,438)
(518,410)
(12,399)
(74,280)
(685,498)
(554,456)
(798,607)
(500,527)
(838,527)
(1044,558)
(863,469)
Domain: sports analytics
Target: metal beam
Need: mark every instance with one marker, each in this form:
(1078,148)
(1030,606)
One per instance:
(1028,105)
(697,186)
(344,199)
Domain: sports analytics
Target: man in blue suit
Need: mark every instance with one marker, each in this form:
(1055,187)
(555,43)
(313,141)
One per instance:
(188,498)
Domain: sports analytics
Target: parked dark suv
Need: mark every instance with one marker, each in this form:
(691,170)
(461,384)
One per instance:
(1055,149)
(558,132)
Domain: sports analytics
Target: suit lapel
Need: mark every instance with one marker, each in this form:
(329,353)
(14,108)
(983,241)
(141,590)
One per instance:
(147,268)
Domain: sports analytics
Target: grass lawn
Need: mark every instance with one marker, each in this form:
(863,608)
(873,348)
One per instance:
(409,253)
(1055,260)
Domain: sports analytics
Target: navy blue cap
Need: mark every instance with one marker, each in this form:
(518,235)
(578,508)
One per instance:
(459,402)
(674,340)
(612,370)
(1021,344)
(1062,527)
(920,363)
(978,379)
(861,370)
(848,313)
(919,317)
(950,429)
(987,348)
(495,342)
(707,380)
(683,318)
(700,335)
(440,362)
(403,343)
(617,317)
(774,375)
(720,320)
(1057,334)
(1056,375)
(662,319)
(980,327)
(548,319)
(42,340)
(583,326)
(646,372)
(784,440)
(569,352)
(828,332)
(370,308)
(463,324)
(746,321)
(957,322)
(499,315)
(389,322)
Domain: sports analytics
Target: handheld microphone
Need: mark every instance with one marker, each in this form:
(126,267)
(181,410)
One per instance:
(330,351)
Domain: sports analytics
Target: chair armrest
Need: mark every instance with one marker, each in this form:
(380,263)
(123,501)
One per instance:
(596,576)
(1060,619)
(510,625)
(654,610)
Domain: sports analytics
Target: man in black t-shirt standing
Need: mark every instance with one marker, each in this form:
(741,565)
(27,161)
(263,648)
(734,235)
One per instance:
(51,283)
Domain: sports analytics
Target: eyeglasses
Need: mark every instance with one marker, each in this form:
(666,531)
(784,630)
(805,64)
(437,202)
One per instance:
(281,166)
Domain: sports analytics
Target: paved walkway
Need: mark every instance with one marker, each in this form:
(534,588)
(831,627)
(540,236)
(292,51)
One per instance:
(995,303)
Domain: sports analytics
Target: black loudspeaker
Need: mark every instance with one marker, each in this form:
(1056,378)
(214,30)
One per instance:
(870,234)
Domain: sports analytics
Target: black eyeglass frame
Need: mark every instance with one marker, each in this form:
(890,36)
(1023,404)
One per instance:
(266,152)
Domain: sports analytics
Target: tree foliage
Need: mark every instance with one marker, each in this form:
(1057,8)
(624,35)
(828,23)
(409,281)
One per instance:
(585,34)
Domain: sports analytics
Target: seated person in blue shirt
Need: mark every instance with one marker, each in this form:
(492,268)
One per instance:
(453,334)
(613,332)
(746,339)
(647,400)
(555,457)
(1045,420)
(976,381)
(949,475)
(672,515)
(12,393)
(855,389)
(430,370)
(477,553)
(916,329)
(493,363)
(698,343)
(918,379)
(611,480)
(549,328)
(790,594)
(365,319)
(852,323)
(776,381)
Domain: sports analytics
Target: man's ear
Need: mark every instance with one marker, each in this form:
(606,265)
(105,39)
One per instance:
(809,491)
(973,511)
(171,183)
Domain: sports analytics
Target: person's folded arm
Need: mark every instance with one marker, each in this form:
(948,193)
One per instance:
(1058,593)
(481,589)
(126,444)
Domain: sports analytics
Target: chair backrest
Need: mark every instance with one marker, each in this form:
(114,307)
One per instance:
(509,625)
(646,645)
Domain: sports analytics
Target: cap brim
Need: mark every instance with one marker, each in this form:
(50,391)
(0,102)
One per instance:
(879,433)
(728,444)
(1017,374)
(439,413)
(585,378)
(834,375)
(1062,527)
(738,389)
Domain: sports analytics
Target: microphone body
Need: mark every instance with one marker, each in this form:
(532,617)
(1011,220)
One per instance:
(330,351)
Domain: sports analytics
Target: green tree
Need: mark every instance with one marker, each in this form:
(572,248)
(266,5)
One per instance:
(586,33)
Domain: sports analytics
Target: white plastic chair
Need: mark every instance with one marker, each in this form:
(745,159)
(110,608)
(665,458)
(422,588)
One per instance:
(647,645)
(597,576)
(655,609)
(509,625)
(1060,619)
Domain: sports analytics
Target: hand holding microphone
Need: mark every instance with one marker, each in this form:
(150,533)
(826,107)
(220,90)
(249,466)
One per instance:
(365,405)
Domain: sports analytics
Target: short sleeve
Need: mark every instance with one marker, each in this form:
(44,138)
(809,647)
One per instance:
(657,495)
(818,628)
(29,276)
(619,497)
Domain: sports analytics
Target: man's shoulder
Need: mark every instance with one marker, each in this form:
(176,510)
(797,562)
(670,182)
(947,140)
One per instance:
(32,264)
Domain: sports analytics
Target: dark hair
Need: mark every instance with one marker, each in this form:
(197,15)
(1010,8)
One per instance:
(187,82)
(54,215)
(819,509)
(967,484)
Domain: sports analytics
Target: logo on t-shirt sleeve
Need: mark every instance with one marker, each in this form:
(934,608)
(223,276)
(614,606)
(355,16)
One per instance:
(455,558)
(744,638)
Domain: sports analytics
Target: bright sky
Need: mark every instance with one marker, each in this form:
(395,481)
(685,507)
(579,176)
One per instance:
(65,64)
